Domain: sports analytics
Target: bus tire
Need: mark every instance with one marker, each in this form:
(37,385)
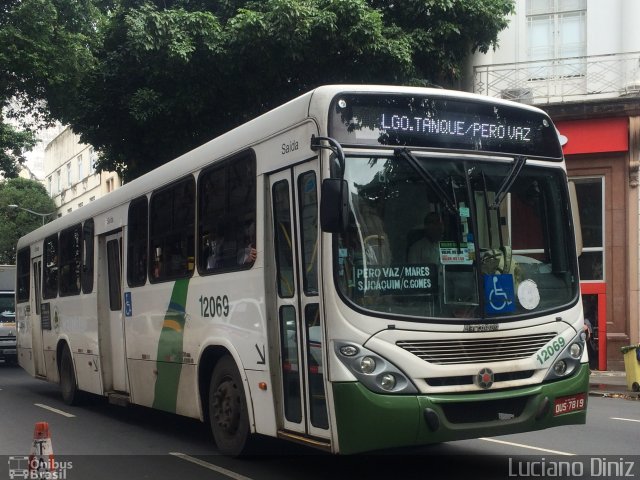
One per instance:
(228,414)
(68,384)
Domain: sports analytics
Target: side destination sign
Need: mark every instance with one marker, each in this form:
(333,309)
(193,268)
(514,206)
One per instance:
(396,279)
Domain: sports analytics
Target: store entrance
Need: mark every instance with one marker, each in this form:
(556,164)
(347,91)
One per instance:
(595,312)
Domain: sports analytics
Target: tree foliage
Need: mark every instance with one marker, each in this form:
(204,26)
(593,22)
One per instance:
(148,80)
(16,222)
(13,145)
(46,47)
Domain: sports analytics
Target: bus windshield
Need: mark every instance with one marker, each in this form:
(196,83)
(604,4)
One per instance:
(7,308)
(431,237)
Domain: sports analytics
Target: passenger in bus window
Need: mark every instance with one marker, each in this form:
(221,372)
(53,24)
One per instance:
(248,253)
(157,263)
(141,266)
(216,248)
(427,248)
(177,261)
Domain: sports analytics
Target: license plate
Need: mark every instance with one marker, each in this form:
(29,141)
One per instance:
(570,404)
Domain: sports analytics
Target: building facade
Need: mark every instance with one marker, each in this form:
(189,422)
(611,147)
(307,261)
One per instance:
(580,61)
(70,176)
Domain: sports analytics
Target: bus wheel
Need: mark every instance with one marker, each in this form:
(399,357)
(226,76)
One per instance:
(228,408)
(68,384)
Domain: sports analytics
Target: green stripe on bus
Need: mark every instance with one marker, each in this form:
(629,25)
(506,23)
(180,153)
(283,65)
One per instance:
(170,349)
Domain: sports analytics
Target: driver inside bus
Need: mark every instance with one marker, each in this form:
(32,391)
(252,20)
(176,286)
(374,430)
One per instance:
(427,249)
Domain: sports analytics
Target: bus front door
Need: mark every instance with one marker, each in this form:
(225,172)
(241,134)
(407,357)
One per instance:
(111,318)
(36,322)
(294,224)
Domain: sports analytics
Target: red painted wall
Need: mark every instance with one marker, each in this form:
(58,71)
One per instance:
(597,135)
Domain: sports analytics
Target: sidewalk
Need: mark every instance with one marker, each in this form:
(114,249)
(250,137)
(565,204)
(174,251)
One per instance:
(609,383)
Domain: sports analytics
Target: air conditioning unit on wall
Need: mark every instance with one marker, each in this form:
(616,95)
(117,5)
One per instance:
(631,89)
(522,95)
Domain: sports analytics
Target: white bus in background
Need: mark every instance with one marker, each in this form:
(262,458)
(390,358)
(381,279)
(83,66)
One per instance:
(262,282)
(8,353)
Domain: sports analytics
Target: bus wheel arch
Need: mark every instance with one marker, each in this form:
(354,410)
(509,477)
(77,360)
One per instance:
(71,394)
(60,347)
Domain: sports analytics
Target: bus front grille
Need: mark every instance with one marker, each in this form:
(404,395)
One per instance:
(485,411)
(477,350)
(465,380)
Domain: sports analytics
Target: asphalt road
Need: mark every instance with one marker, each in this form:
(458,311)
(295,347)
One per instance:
(101,441)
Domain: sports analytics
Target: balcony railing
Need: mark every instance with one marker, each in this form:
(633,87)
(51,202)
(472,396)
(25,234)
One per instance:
(561,80)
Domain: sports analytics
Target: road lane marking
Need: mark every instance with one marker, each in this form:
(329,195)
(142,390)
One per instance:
(557,452)
(625,419)
(210,466)
(55,410)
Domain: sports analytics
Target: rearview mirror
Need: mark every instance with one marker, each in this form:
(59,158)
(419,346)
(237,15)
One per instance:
(334,205)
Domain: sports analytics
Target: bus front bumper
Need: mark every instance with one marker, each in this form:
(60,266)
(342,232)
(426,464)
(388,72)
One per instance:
(371,421)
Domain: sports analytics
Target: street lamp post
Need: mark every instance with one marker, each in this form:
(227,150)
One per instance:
(43,215)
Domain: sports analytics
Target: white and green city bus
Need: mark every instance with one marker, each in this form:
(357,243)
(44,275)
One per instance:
(263,282)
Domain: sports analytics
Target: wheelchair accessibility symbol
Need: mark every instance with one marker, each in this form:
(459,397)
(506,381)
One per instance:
(499,294)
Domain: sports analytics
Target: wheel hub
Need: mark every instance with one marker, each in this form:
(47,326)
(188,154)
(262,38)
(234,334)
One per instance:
(226,406)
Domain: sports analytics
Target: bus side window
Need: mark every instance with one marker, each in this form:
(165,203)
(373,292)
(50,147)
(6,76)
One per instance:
(137,241)
(23,266)
(87,256)
(227,215)
(50,283)
(70,246)
(171,230)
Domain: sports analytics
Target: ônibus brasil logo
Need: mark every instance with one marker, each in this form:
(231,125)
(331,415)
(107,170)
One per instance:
(36,468)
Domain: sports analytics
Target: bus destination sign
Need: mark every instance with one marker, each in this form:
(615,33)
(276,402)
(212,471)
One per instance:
(443,122)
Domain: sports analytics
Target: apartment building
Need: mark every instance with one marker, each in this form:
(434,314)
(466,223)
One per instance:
(580,61)
(70,176)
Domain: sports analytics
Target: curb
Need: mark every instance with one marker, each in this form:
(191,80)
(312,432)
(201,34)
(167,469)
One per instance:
(615,394)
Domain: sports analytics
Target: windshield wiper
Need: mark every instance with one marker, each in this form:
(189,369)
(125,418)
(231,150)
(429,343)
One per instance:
(508,181)
(487,208)
(427,177)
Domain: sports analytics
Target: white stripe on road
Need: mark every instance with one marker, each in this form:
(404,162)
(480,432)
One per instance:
(210,466)
(625,419)
(557,452)
(55,410)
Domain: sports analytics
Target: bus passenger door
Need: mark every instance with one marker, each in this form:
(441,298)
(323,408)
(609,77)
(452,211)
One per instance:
(36,325)
(294,224)
(111,318)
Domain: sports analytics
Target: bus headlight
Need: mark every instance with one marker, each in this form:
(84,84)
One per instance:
(387,381)
(567,362)
(560,367)
(373,371)
(367,365)
(575,350)
(348,350)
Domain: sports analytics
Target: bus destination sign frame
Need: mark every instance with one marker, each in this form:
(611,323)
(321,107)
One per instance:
(443,122)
